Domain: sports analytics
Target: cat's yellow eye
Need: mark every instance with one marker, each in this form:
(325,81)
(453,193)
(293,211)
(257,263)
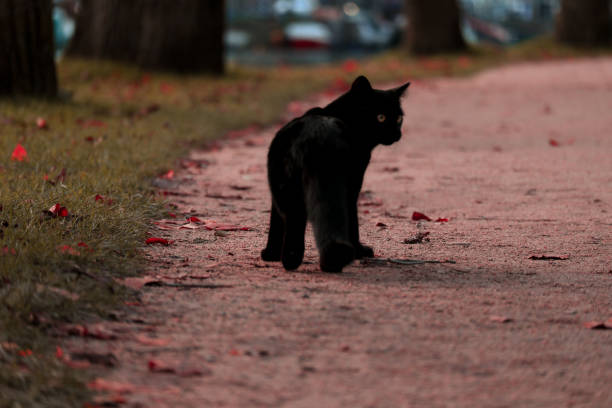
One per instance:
(399,120)
(381,118)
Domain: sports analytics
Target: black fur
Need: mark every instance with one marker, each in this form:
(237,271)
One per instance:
(316,165)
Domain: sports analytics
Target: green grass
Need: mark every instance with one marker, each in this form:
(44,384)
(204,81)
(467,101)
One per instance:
(118,161)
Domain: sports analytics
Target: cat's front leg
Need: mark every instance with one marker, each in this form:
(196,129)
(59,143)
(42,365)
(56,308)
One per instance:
(272,251)
(361,251)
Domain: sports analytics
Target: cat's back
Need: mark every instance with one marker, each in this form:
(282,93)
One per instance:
(313,133)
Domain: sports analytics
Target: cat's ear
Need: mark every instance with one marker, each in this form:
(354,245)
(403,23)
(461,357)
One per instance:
(361,84)
(399,91)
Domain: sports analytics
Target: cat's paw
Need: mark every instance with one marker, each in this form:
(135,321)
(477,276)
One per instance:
(363,251)
(270,255)
(292,259)
(336,256)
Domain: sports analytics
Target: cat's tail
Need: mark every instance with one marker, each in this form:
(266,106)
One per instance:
(328,210)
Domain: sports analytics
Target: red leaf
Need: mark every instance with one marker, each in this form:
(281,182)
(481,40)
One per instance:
(464,62)
(58,211)
(67,249)
(25,353)
(597,325)
(19,154)
(155,240)
(83,245)
(166,88)
(99,198)
(59,353)
(87,123)
(417,216)
(6,250)
(156,366)
(442,220)
(554,143)
(350,65)
(41,123)
(194,219)
(172,215)
(168,175)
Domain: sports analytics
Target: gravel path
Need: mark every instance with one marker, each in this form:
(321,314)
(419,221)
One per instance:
(519,160)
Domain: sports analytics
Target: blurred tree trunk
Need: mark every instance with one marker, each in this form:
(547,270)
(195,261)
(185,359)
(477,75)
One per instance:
(27,64)
(179,35)
(584,22)
(434,26)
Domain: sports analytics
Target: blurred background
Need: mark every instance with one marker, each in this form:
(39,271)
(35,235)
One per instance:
(266,32)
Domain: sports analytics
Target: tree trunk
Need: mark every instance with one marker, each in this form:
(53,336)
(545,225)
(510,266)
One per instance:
(584,22)
(178,35)
(434,26)
(27,64)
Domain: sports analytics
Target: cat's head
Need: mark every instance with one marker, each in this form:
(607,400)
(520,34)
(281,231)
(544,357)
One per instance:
(380,111)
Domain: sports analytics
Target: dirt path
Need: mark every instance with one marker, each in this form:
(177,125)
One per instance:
(494,329)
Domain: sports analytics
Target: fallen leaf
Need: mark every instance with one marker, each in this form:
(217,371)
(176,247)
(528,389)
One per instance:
(194,219)
(166,88)
(190,226)
(382,225)
(151,341)
(136,283)
(417,216)
(549,257)
(442,220)
(168,175)
(6,250)
(500,319)
(96,331)
(59,291)
(156,240)
(554,142)
(99,198)
(597,325)
(59,353)
(104,359)
(214,226)
(225,196)
(100,384)
(156,366)
(391,169)
(90,123)
(41,123)
(350,65)
(418,238)
(57,211)
(19,154)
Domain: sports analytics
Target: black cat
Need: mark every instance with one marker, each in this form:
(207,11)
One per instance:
(316,165)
